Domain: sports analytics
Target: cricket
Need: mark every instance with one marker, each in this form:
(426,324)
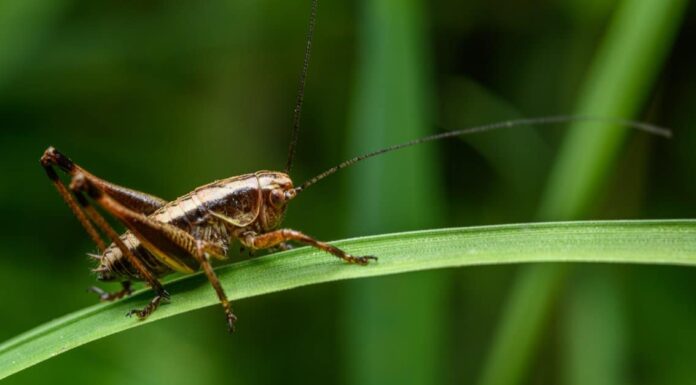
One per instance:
(186,234)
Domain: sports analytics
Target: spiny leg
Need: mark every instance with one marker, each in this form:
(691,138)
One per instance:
(282,246)
(133,199)
(99,220)
(161,296)
(273,238)
(164,238)
(107,296)
(204,252)
(47,164)
(143,271)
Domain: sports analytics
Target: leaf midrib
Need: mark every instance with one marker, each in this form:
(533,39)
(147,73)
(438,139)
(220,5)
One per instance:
(657,242)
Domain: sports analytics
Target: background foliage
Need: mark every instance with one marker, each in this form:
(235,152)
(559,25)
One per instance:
(166,96)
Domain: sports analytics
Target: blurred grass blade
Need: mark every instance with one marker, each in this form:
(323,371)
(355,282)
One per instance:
(531,296)
(23,26)
(618,84)
(594,337)
(391,105)
(660,242)
(467,104)
(639,37)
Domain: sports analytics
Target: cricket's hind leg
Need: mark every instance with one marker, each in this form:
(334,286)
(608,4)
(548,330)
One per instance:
(278,237)
(164,239)
(78,185)
(135,200)
(53,158)
(89,217)
(132,209)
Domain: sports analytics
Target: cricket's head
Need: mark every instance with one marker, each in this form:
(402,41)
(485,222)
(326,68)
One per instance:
(277,190)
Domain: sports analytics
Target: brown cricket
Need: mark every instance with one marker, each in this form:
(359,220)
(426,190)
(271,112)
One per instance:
(185,234)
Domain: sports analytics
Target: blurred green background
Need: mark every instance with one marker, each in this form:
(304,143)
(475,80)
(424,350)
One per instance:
(164,96)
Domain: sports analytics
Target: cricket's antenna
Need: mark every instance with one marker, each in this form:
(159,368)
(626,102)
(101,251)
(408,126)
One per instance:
(297,113)
(649,128)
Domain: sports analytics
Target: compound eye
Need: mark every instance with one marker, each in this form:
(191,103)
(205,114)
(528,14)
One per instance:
(290,194)
(277,197)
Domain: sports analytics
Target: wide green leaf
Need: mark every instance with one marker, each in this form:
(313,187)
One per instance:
(656,242)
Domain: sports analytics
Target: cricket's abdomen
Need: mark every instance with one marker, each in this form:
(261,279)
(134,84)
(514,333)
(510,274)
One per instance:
(114,265)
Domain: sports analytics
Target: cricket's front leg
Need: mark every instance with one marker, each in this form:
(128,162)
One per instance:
(273,238)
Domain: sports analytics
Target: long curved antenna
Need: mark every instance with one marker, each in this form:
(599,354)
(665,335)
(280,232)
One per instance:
(297,113)
(650,128)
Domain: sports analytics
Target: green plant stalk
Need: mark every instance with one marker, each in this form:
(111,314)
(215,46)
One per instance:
(656,242)
(621,76)
(391,104)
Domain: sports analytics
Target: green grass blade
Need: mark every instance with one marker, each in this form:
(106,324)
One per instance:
(391,105)
(657,242)
(623,70)
(618,84)
(531,296)
(596,311)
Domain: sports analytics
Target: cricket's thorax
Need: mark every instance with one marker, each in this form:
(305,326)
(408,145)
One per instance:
(215,213)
